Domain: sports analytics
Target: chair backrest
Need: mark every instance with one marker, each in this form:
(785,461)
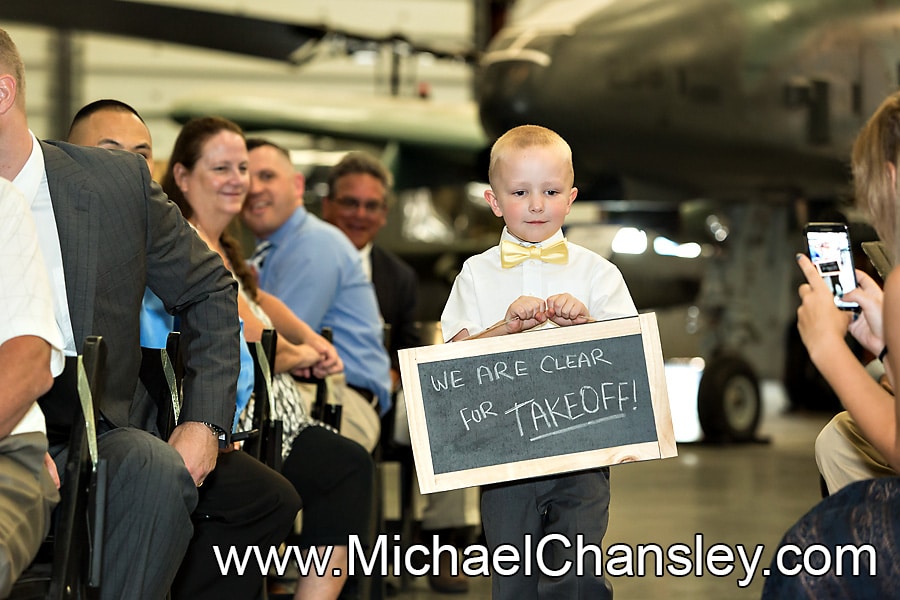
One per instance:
(267,444)
(161,373)
(78,539)
(322,408)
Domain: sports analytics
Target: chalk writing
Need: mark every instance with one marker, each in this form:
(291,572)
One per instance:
(510,371)
(500,369)
(588,424)
(440,384)
(477,415)
(555,413)
(535,402)
(549,364)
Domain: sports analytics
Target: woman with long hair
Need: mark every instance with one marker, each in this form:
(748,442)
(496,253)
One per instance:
(208,179)
(854,532)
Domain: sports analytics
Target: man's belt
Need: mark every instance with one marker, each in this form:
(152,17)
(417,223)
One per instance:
(369,395)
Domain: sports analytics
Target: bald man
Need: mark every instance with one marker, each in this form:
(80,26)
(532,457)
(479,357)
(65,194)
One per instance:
(113,125)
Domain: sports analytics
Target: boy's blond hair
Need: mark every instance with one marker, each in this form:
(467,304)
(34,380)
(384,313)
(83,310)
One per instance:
(528,136)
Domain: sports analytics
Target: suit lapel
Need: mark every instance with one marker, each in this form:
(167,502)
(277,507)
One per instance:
(77,222)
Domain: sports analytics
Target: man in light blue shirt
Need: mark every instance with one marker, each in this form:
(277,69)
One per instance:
(313,268)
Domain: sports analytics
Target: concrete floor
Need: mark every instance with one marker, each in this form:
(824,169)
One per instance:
(739,494)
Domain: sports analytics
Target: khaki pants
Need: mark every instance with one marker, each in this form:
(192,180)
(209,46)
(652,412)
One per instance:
(844,456)
(27,496)
(360,420)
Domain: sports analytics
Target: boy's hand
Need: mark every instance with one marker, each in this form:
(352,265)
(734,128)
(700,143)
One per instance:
(566,309)
(524,313)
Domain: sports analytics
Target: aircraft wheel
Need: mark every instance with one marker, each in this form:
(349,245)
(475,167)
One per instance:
(728,401)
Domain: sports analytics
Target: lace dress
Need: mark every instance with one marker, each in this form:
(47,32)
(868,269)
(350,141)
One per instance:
(289,404)
(858,527)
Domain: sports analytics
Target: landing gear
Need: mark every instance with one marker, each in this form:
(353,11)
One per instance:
(728,401)
(747,297)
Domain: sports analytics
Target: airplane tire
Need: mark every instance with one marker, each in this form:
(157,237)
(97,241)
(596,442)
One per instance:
(728,400)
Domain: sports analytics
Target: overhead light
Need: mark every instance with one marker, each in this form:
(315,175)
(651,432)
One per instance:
(666,247)
(716,228)
(630,240)
(365,58)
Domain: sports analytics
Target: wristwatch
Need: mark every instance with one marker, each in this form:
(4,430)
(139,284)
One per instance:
(216,431)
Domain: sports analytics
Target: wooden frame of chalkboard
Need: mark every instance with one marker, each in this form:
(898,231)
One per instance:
(537,403)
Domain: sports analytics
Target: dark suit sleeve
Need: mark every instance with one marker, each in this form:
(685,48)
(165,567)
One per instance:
(195,286)
(396,286)
(408,334)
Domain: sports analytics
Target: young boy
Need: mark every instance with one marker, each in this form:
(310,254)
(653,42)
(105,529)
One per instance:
(543,280)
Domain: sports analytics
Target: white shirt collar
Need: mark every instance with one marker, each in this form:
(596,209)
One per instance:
(365,253)
(32,172)
(556,237)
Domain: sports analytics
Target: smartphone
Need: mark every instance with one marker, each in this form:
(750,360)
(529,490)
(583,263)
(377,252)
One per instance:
(830,252)
(240,436)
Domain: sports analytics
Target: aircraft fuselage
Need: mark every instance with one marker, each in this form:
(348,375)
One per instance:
(713,97)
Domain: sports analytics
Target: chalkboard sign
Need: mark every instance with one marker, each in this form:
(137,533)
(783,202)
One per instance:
(537,403)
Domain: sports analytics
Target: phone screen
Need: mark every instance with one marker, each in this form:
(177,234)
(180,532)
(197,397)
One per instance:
(829,250)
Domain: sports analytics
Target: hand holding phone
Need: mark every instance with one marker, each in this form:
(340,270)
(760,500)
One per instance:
(831,254)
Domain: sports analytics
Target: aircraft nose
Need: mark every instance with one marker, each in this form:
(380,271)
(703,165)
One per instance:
(506,96)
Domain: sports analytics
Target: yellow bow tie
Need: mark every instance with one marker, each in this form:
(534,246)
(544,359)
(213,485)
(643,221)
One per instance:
(512,254)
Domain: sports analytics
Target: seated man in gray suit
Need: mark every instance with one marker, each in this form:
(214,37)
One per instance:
(107,232)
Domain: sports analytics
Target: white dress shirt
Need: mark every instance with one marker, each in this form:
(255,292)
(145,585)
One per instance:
(365,253)
(26,304)
(483,290)
(32,182)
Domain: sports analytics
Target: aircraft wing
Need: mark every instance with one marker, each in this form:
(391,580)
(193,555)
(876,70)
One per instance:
(238,33)
(408,121)
(431,138)
(215,31)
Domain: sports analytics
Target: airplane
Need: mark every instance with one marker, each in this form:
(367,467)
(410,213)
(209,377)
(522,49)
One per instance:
(740,114)
(753,104)
(731,119)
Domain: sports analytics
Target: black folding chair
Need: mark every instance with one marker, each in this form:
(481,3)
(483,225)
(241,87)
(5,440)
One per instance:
(74,547)
(322,408)
(161,374)
(266,445)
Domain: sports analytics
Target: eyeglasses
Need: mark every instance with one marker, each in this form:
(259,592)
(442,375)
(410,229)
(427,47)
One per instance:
(372,207)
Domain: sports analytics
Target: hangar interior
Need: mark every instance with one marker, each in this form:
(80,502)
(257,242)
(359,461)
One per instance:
(730,493)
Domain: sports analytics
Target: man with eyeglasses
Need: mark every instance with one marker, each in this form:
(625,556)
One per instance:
(356,203)
(313,268)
